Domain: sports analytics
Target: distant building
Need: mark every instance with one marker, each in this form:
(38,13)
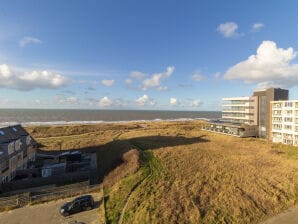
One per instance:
(284,122)
(264,98)
(248,116)
(240,110)
(17,148)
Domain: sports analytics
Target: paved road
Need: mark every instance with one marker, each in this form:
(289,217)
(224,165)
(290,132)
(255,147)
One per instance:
(288,217)
(49,213)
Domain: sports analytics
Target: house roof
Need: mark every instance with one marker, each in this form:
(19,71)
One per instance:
(10,133)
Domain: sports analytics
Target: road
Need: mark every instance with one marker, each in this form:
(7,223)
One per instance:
(49,213)
(288,217)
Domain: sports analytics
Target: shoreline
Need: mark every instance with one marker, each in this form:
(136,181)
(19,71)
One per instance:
(73,123)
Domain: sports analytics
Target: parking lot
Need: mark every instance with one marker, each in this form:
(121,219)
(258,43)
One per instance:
(49,213)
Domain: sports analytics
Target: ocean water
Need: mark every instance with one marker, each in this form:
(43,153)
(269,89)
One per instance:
(61,117)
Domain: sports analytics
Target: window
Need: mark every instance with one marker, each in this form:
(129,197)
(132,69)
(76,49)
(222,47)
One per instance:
(4,179)
(288,104)
(277,105)
(11,148)
(28,140)
(288,127)
(5,166)
(277,126)
(19,156)
(277,112)
(288,135)
(288,119)
(25,152)
(13,161)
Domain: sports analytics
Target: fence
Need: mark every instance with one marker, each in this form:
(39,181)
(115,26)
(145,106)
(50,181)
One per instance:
(41,181)
(14,201)
(47,195)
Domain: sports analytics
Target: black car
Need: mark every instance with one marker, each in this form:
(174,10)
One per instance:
(79,204)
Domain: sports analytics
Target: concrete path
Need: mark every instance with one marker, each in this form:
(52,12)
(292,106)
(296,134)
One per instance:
(288,217)
(49,213)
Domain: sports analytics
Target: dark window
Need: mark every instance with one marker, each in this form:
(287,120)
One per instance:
(5,166)
(25,152)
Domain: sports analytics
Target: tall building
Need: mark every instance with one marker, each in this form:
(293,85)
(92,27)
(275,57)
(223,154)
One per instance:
(264,98)
(284,122)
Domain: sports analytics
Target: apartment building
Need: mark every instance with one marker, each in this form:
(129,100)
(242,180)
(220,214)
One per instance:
(240,110)
(284,122)
(248,116)
(17,148)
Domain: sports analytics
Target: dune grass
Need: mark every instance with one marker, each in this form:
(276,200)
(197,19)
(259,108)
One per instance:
(199,177)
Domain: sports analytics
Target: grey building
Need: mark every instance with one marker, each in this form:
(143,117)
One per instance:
(264,98)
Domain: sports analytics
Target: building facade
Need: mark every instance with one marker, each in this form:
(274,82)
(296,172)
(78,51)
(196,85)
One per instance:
(248,116)
(264,98)
(17,149)
(240,110)
(284,122)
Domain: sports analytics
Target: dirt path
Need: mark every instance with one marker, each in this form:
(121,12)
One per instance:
(288,217)
(49,213)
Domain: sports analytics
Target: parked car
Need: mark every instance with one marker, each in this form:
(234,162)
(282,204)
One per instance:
(79,204)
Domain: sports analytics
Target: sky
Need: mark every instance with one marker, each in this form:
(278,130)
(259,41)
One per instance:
(137,54)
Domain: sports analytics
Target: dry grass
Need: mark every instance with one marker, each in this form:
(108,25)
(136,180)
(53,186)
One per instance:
(130,165)
(202,177)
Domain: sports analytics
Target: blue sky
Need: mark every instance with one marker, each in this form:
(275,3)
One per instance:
(170,55)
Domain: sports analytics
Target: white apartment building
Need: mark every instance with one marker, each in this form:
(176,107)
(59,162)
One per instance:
(240,110)
(284,122)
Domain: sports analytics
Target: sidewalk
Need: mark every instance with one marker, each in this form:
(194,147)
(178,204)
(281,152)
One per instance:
(290,216)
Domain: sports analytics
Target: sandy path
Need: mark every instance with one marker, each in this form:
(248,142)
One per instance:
(49,213)
(288,217)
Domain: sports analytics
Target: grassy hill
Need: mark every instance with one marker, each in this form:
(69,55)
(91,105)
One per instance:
(198,176)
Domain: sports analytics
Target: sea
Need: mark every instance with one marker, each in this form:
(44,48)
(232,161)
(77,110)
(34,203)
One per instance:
(27,117)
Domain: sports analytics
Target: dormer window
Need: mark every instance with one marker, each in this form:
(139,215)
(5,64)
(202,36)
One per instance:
(2,133)
(14,129)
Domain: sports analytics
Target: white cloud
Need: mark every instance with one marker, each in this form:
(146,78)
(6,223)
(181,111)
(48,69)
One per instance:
(228,29)
(4,102)
(128,81)
(197,76)
(24,80)
(105,102)
(62,100)
(137,75)
(269,67)
(174,101)
(107,82)
(217,75)
(155,80)
(257,27)
(29,40)
(145,101)
(195,103)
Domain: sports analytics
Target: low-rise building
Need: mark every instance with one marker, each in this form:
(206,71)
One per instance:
(17,149)
(239,130)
